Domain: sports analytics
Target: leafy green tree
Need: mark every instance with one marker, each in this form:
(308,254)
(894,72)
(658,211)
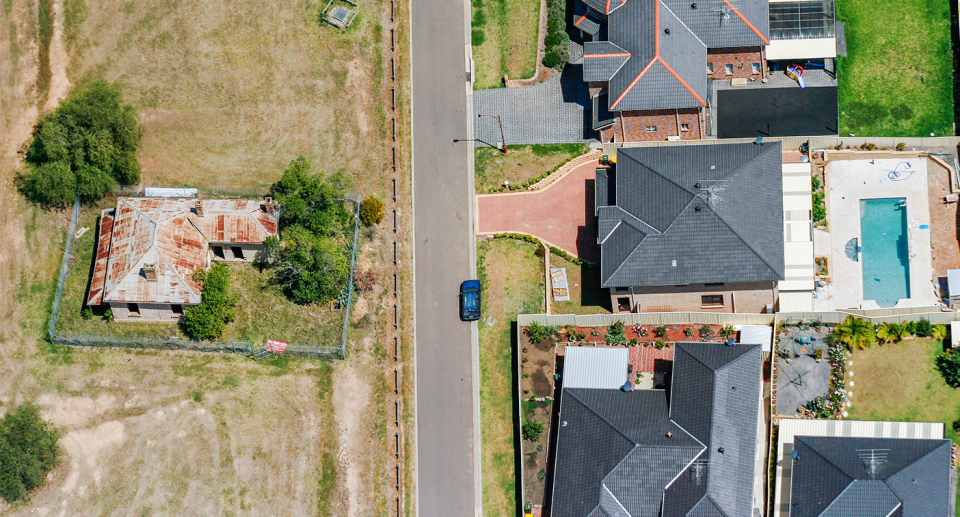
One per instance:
(28,450)
(89,143)
(209,319)
(307,200)
(949,365)
(310,268)
(891,332)
(856,333)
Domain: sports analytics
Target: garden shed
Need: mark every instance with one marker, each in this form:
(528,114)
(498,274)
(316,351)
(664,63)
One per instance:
(595,367)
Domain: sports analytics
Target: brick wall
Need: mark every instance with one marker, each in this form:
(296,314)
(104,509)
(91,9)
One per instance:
(744,297)
(740,57)
(631,126)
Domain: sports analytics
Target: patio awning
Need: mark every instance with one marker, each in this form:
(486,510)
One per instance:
(757,335)
(793,301)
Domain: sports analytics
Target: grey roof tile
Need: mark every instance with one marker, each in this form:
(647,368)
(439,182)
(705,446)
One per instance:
(601,60)
(716,211)
(720,24)
(659,474)
(859,477)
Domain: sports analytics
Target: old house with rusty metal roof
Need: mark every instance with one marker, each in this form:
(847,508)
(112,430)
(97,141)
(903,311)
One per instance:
(149,248)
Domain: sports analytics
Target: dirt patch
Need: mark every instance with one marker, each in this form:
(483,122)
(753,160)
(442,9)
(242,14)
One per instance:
(351,396)
(943,225)
(71,412)
(59,61)
(83,448)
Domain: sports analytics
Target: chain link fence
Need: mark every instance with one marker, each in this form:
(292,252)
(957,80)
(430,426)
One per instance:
(175,343)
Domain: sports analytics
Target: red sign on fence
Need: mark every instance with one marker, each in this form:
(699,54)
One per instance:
(276,346)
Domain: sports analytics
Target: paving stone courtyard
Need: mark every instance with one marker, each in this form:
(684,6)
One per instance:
(803,378)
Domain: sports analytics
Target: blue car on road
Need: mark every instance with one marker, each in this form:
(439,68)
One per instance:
(470,300)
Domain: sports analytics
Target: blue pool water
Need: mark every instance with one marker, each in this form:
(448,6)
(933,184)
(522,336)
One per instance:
(883,236)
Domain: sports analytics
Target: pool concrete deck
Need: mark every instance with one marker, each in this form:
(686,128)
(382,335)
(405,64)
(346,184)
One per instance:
(849,181)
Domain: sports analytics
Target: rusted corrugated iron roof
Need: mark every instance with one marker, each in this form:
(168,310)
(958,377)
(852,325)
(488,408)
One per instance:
(169,234)
(103,252)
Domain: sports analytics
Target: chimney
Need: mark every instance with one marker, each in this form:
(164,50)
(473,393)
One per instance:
(150,271)
(268,206)
(199,208)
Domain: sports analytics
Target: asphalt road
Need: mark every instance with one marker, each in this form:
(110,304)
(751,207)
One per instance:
(444,255)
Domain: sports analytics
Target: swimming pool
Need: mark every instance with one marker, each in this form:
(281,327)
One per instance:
(884,255)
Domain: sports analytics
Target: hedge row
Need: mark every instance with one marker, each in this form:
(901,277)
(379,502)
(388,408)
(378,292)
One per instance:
(533,240)
(557,42)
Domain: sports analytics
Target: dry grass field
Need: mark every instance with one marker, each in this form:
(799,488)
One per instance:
(228,93)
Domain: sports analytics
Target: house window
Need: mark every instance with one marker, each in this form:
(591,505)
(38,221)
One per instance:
(237,252)
(755,68)
(622,289)
(218,252)
(177,310)
(709,68)
(711,300)
(651,129)
(729,68)
(133,310)
(684,127)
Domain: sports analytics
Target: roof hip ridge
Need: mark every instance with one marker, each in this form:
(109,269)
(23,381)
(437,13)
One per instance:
(604,420)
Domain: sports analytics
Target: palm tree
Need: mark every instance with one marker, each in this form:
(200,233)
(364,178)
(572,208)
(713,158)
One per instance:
(855,332)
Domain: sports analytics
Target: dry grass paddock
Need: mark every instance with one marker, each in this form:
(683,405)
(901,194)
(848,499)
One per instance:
(229,93)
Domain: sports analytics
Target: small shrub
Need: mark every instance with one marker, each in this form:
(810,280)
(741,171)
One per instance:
(371,211)
(86,314)
(910,327)
(939,332)
(815,182)
(539,333)
(704,331)
(532,430)
(633,342)
(209,319)
(529,406)
(553,39)
(540,251)
(924,328)
(108,316)
(956,426)
(727,331)
(901,146)
(615,334)
(688,332)
(551,59)
(660,344)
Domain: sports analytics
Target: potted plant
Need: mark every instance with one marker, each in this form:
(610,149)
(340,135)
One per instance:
(661,330)
(688,332)
(818,354)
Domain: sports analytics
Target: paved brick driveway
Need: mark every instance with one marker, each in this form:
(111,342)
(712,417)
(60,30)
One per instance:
(561,214)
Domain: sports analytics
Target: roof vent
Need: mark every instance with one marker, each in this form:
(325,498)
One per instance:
(666,31)
(669,434)
(673,263)
(564,423)
(720,450)
(696,209)
(198,207)
(693,5)
(627,386)
(150,272)
(696,185)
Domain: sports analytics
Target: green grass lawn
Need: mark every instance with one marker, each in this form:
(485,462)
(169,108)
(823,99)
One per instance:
(898,77)
(522,162)
(586,295)
(512,280)
(899,382)
(504,34)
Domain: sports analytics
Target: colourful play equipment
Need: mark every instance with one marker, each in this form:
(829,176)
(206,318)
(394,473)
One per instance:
(795,72)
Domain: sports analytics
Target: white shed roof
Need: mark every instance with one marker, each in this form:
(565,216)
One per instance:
(757,335)
(953,282)
(796,301)
(595,367)
(812,48)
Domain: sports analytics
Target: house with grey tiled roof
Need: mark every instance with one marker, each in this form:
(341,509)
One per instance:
(867,477)
(648,61)
(689,450)
(692,227)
